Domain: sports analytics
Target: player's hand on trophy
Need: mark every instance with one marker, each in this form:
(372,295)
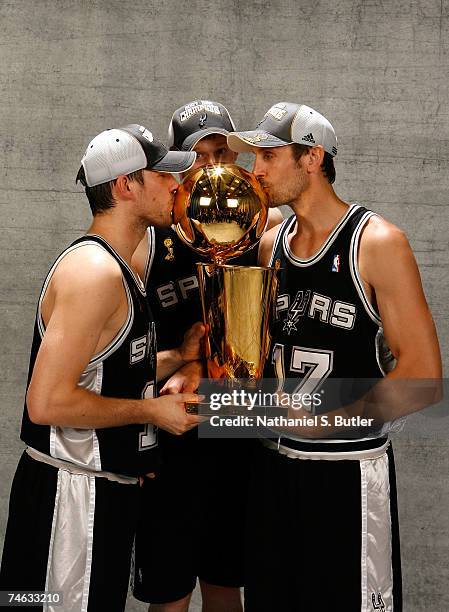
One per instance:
(191,349)
(169,412)
(186,379)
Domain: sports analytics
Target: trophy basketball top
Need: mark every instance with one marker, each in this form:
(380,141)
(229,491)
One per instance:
(220,211)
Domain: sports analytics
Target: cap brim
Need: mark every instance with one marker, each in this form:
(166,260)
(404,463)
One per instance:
(194,138)
(245,141)
(175,161)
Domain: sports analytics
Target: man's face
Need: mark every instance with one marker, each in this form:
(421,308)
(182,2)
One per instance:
(156,198)
(213,149)
(282,177)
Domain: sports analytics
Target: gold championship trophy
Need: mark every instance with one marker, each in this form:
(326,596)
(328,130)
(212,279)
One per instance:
(221,212)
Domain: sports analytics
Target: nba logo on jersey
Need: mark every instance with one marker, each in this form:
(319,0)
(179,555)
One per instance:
(336,264)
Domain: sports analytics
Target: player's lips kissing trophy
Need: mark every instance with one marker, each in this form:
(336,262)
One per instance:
(221,212)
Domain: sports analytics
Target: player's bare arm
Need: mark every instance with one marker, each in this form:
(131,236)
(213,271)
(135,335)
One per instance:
(389,271)
(190,350)
(185,380)
(392,282)
(82,314)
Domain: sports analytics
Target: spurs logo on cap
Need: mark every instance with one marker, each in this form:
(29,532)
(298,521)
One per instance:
(146,133)
(198,107)
(278,111)
(196,120)
(257,138)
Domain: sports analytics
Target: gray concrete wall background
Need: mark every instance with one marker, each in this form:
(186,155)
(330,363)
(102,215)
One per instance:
(378,69)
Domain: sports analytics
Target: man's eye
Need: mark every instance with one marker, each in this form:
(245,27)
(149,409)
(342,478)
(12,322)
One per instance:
(221,152)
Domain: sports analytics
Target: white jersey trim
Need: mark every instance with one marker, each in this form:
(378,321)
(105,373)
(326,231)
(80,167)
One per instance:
(309,261)
(71,548)
(118,340)
(52,536)
(354,268)
(95,443)
(89,544)
(293,453)
(150,254)
(377,571)
(364,533)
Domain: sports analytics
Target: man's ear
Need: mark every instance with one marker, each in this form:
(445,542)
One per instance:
(315,157)
(123,187)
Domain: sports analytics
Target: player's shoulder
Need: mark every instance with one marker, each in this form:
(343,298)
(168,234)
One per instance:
(384,252)
(274,218)
(379,234)
(87,267)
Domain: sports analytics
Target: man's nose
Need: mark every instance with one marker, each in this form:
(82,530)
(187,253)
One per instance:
(258,168)
(173,184)
(212,159)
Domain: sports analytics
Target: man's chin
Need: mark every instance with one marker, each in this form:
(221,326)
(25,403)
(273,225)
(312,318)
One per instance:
(162,222)
(272,201)
(276,202)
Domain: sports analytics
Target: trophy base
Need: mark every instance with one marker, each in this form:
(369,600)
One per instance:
(204,409)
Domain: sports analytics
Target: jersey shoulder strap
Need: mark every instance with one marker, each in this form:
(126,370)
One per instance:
(284,228)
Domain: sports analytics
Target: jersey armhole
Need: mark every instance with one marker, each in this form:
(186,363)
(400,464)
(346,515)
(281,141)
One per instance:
(279,236)
(120,336)
(354,268)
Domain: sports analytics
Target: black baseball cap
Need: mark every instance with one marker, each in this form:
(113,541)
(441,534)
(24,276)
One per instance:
(195,120)
(286,123)
(125,150)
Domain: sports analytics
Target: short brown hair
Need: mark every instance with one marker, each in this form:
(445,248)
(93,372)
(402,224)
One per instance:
(327,166)
(100,197)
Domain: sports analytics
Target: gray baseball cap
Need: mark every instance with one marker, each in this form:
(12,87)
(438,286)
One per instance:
(196,120)
(126,150)
(286,123)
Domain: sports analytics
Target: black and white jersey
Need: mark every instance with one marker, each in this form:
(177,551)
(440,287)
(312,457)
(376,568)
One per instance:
(325,325)
(126,368)
(171,283)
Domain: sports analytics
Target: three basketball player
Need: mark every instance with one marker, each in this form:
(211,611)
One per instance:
(349,287)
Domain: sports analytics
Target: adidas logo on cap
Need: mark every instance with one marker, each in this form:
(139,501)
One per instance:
(309,138)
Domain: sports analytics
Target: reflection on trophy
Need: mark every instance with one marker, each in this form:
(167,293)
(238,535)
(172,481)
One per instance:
(221,212)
